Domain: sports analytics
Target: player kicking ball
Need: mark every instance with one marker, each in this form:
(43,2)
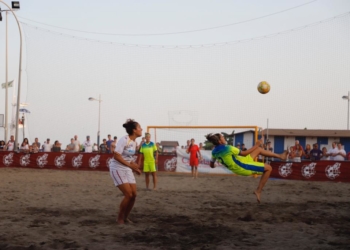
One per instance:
(242,162)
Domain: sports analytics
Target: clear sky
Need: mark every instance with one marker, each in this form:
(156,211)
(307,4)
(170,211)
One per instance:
(307,69)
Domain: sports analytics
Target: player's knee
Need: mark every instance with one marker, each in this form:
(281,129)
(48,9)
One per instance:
(268,167)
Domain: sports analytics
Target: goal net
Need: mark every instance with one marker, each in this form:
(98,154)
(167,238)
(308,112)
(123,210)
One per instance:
(173,142)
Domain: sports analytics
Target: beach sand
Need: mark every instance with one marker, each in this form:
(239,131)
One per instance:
(51,209)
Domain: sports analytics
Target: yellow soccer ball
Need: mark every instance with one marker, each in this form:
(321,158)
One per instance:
(263,87)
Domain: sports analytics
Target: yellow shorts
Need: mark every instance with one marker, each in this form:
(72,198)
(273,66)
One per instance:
(247,166)
(149,167)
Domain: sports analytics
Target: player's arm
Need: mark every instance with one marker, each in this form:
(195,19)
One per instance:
(140,159)
(132,165)
(247,152)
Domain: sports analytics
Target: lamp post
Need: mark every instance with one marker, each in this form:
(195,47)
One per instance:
(99,117)
(15,5)
(347,98)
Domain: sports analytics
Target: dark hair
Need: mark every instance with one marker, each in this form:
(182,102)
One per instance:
(130,125)
(214,138)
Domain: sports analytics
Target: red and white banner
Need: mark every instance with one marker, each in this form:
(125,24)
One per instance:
(338,171)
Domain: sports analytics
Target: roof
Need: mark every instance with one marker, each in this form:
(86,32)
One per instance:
(169,143)
(307,132)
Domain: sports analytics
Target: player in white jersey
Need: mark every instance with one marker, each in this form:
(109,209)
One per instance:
(122,166)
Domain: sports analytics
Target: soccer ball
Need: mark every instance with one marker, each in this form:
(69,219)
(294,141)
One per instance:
(263,87)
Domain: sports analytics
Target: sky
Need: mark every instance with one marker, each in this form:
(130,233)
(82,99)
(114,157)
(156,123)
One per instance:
(194,78)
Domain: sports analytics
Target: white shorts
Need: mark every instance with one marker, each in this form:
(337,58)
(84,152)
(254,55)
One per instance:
(121,176)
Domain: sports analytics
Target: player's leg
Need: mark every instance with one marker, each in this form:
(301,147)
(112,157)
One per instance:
(263,152)
(147,179)
(154,175)
(195,171)
(146,170)
(131,203)
(265,176)
(192,171)
(129,197)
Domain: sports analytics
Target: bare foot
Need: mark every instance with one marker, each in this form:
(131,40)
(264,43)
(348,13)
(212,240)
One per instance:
(284,155)
(120,222)
(128,221)
(154,189)
(257,194)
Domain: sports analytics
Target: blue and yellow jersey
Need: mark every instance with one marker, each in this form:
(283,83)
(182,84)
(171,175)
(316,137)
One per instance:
(148,151)
(242,165)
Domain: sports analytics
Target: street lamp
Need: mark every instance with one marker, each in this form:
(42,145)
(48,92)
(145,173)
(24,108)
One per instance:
(347,98)
(99,117)
(15,5)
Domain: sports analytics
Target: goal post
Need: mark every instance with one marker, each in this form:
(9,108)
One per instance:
(203,130)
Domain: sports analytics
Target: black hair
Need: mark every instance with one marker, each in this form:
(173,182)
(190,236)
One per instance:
(214,138)
(130,125)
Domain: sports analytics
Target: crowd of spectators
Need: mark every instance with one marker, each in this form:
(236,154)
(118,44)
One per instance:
(296,153)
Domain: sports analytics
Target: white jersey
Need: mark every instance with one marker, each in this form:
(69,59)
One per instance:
(10,145)
(127,149)
(340,157)
(88,146)
(332,151)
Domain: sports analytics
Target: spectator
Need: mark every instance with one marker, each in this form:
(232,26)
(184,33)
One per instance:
(104,146)
(109,142)
(243,147)
(340,155)
(238,145)
(10,146)
(298,153)
(113,144)
(56,147)
(298,144)
(47,146)
(315,153)
(325,156)
(307,151)
(201,146)
(88,144)
(71,146)
(2,145)
(76,144)
(188,143)
(332,151)
(159,147)
(24,148)
(36,143)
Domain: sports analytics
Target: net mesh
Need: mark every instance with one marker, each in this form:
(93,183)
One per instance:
(308,70)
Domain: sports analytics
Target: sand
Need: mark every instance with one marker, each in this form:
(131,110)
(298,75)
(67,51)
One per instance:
(51,209)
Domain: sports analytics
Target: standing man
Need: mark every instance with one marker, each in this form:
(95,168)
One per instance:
(340,154)
(76,144)
(47,146)
(109,142)
(10,146)
(88,145)
(332,151)
(103,146)
(315,153)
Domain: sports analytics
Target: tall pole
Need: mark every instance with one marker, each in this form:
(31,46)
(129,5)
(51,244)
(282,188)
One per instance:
(99,121)
(7,80)
(19,73)
(348,107)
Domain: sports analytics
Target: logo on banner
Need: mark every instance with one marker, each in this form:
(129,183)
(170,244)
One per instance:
(285,170)
(94,161)
(59,160)
(7,159)
(24,160)
(170,164)
(308,170)
(77,161)
(41,161)
(333,171)
(108,161)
